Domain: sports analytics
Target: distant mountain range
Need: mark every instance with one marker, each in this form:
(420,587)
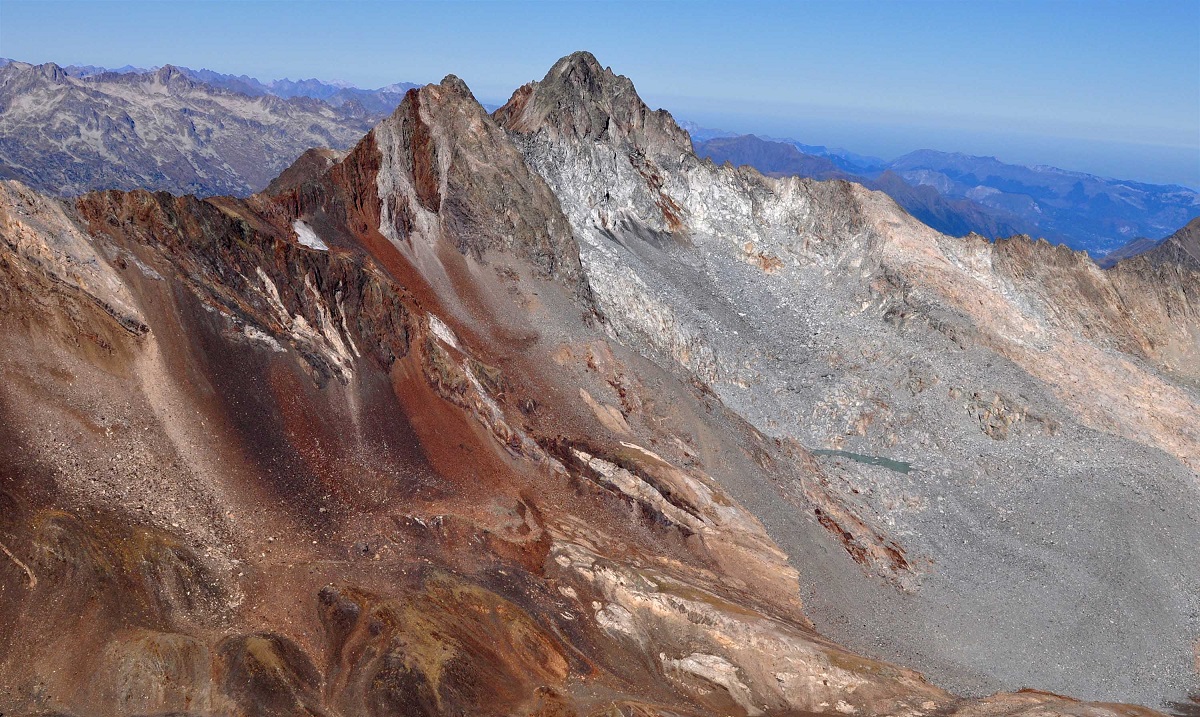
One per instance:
(336,92)
(74,129)
(958,194)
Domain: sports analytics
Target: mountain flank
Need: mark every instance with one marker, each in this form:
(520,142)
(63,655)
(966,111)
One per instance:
(536,412)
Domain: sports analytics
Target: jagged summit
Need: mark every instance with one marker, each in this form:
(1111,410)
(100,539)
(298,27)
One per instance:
(580,98)
(452,90)
(49,70)
(170,73)
(583,72)
(440,171)
(581,61)
(455,84)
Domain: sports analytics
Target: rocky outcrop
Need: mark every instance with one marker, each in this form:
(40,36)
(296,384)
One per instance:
(308,167)
(583,101)
(42,244)
(442,160)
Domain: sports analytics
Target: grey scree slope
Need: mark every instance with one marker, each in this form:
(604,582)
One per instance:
(1042,552)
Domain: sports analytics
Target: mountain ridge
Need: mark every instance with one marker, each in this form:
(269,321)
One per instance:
(336,92)
(995,199)
(1182,247)
(162,130)
(1102,217)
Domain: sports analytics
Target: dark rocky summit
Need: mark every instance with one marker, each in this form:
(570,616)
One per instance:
(512,414)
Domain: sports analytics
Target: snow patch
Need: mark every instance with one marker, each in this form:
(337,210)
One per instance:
(308,237)
(443,332)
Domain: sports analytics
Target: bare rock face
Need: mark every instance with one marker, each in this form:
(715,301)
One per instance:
(43,243)
(583,101)
(298,490)
(1182,248)
(308,167)
(443,161)
(499,417)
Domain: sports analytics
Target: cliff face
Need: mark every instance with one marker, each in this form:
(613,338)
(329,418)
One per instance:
(492,416)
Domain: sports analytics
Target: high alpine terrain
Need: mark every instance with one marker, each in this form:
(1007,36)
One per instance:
(380,100)
(538,413)
(160,130)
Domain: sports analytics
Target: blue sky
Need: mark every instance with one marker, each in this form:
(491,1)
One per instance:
(1110,88)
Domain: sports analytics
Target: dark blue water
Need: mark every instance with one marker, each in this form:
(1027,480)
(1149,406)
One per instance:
(898,466)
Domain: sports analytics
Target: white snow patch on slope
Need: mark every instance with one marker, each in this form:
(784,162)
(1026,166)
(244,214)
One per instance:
(308,237)
(443,332)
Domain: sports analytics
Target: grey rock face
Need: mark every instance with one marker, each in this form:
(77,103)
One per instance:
(1182,247)
(441,158)
(161,131)
(1037,520)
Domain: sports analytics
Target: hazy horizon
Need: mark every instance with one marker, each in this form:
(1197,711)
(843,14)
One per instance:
(1096,87)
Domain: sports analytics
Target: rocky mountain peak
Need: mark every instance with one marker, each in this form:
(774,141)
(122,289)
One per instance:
(578,98)
(167,73)
(440,170)
(457,86)
(582,69)
(171,76)
(52,72)
(451,92)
